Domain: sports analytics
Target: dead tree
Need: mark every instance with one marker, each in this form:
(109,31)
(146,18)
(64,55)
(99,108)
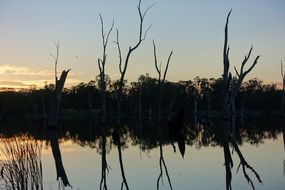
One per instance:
(161,80)
(123,64)
(53,118)
(101,65)
(59,84)
(229,92)
(102,84)
(231,87)
(283,91)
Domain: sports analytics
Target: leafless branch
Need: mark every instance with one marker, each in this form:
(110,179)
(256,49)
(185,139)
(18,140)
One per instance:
(230,96)
(99,65)
(55,57)
(149,7)
(145,33)
(142,17)
(105,39)
(226,51)
(236,71)
(119,50)
(167,64)
(158,69)
(140,39)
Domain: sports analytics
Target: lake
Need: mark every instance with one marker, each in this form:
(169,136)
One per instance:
(195,162)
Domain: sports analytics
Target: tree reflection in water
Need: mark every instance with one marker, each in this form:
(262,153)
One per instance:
(148,139)
(230,137)
(60,171)
(162,164)
(119,140)
(283,132)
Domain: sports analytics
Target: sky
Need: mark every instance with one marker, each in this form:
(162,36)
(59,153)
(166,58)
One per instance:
(193,29)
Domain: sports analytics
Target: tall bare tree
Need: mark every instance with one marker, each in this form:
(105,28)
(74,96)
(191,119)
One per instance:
(161,80)
(102,84)
(101,65)
(123,63)
(229,92)
(53,118)
(59,84)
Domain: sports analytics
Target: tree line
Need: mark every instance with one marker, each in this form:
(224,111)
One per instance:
(143,94)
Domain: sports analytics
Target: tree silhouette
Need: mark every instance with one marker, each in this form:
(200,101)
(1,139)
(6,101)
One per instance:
(229,92)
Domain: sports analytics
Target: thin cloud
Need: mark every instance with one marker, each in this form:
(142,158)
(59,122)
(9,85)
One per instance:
(14,83)
(28,71)
(20,70)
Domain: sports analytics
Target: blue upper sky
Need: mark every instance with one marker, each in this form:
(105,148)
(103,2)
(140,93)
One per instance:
(192,29)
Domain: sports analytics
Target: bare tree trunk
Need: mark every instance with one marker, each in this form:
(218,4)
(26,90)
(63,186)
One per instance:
(53,118)
(230,88)
(160,80)
(102,84)
(54,112)
(59,84)
(101,65)
(229,92)
(123,67)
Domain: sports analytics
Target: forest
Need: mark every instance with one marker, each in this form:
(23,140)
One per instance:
(254,97)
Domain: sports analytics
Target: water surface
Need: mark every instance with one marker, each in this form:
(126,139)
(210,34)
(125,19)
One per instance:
(202,166)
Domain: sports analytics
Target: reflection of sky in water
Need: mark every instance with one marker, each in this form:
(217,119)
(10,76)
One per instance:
(200,169)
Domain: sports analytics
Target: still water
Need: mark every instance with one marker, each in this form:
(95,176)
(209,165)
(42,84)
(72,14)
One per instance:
(201,167)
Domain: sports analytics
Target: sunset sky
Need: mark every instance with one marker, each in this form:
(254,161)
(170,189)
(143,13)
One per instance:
(192,29)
